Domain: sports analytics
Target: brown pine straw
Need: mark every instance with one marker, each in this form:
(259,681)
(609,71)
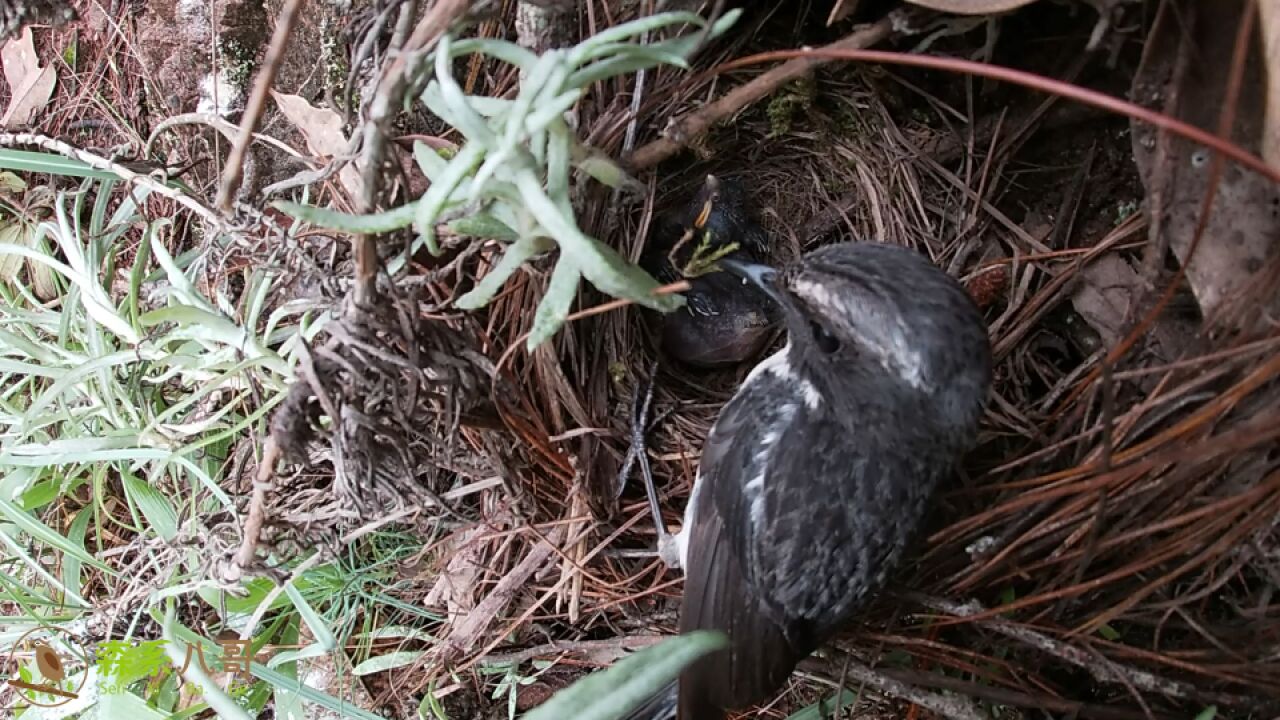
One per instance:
(1035,82)
(1112,546)
(1181,537)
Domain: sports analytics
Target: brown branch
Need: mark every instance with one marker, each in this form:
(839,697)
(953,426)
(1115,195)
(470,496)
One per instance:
(257,509)
(1004,696)
(232,171)
(386,101)
(949,706)
(1102,669)
(684,129)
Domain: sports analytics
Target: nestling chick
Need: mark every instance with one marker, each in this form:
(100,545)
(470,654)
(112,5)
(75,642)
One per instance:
(724,321)
(818,472)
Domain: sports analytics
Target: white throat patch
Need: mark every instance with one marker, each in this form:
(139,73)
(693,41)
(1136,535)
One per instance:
(779,365)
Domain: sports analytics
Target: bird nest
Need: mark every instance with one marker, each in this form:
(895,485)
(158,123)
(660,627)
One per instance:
(1111,548)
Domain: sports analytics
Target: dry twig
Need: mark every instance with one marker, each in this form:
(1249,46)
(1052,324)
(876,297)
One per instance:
(386,101)
(100,163)
(684,129)
(1102,669)
(231,173)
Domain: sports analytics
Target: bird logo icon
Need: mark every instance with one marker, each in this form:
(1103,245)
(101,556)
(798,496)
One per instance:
(51,682)
(49,663)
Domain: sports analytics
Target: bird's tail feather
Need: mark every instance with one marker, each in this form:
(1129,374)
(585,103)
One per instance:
(660,706)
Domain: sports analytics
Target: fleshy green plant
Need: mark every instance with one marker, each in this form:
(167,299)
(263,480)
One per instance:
(511,179)
(612,694)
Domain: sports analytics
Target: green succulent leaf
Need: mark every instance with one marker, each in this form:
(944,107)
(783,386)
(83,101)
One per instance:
(464,116)
(483,225)
(505,51)
(612,694)
(372,224)
(623,63)
(607,172)
(513,175)
(431,162)
(433,202)
(554,308)
(599,43)
(600,264)
(512,260)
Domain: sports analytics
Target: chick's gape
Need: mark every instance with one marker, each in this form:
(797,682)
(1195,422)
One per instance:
(818,471)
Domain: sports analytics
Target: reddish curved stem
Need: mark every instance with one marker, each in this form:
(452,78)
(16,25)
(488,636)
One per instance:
(1026,79)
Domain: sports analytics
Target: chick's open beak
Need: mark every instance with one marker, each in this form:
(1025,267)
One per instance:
(701,221)
(711,188)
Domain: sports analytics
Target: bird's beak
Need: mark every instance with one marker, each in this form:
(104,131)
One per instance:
(711,187)
(762,276)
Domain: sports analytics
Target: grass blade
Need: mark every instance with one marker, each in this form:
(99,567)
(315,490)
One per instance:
(612,693)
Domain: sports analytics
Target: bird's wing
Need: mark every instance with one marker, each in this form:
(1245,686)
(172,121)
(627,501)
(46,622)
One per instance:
(658,706)
(717,595)
(794,523)
(758,660)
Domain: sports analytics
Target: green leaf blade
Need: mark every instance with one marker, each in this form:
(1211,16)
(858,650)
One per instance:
(373,224)
(612,693)
(553,310)
(512,260)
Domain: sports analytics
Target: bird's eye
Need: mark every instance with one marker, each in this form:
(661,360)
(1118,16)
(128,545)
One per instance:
(825,341)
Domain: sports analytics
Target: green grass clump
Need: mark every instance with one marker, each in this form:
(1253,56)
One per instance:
(127,390)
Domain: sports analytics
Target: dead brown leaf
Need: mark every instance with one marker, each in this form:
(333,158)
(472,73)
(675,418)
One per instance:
(1107,297)
(31,84)
(972,7)
(1244,222)
(40,277)
(455,586)
(841,10)
(322,129)
(11,184)
(12,233)
(19,229)
(1269,17)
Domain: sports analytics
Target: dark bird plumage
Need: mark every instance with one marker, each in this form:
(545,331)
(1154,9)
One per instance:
(817,473)
(724,321)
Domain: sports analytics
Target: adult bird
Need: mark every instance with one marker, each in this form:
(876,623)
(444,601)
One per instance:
(723,321)
(819,470)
